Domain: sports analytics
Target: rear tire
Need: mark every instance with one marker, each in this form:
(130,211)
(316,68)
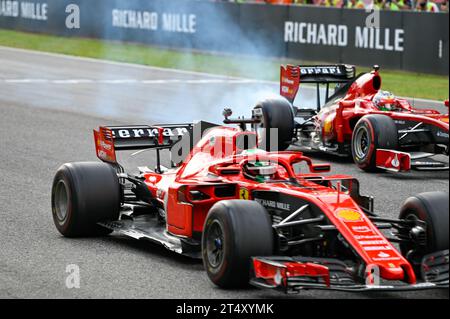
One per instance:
(433,209)
(234,231)
(276,113)
(372,132)
(84,194)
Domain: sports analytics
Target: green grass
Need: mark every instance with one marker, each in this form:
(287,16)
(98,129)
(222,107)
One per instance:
(401,83)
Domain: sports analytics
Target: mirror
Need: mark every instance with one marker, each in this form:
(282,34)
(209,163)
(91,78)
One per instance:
(320,168)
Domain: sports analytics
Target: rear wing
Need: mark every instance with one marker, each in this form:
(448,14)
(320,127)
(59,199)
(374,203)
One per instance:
(109,139)
(291,76)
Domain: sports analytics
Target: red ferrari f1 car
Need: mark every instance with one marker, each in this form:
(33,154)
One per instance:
(357,118)
(268,218)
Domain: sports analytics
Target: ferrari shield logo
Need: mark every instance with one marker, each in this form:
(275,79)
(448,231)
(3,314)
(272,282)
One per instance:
(244,193)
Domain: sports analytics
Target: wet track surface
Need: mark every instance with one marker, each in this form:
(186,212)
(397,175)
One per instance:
(48,107)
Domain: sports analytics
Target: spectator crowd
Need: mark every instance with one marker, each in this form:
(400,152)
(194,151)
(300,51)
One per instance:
(394,5)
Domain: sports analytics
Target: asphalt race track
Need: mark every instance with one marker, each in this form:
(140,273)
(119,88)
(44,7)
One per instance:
(49,105)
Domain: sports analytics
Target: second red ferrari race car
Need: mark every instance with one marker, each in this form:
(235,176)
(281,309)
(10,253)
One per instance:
(269,218)
(357,118)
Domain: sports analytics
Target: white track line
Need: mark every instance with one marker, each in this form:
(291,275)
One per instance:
(24,81)
(127,81)
(425,101)
(115,63)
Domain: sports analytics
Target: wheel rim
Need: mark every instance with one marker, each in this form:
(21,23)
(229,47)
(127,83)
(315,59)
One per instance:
(362,143)
(61,201)
(215,244)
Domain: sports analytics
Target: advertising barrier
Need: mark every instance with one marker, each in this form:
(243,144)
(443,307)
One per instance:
(402,40)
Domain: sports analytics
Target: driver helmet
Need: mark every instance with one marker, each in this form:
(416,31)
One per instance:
(384,101)
(260,171)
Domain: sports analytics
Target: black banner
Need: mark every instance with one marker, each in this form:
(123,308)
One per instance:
(409,41)
(331,304)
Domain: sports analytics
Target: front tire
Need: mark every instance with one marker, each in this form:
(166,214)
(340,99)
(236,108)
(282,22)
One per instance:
(84,194)
(234,231)
(433,209)
(372,132)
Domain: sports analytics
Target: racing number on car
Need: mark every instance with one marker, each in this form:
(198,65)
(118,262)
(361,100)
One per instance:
(244,193)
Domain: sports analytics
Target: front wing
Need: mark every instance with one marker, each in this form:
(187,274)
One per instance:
(293,274)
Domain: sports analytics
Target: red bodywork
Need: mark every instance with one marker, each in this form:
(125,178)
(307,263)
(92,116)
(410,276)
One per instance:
(393,160)
(216,160)
(214,171)
(337,119)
